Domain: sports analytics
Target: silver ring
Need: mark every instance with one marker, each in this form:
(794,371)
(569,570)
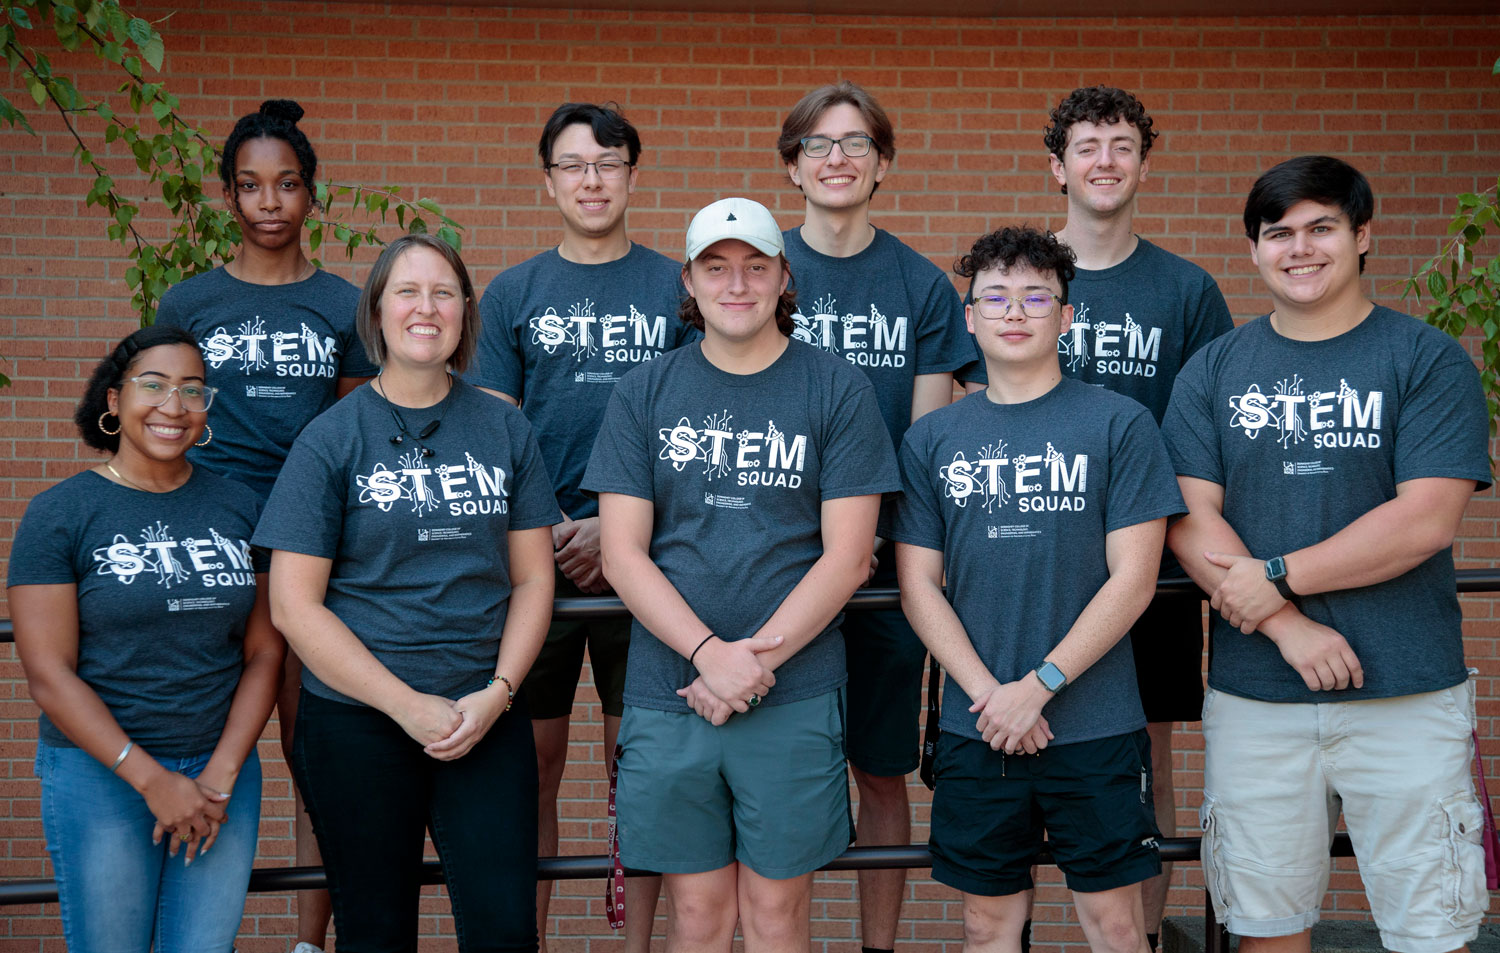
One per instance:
(754,700)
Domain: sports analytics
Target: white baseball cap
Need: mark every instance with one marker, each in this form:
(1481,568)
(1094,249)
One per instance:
(738,218)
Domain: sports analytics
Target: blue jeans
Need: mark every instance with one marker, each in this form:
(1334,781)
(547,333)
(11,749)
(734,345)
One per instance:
(120,893)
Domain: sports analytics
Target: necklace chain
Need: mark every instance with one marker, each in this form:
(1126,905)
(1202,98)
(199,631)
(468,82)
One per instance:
(134,485)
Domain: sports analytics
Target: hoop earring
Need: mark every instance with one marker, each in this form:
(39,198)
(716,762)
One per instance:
(208,439)
(101,423)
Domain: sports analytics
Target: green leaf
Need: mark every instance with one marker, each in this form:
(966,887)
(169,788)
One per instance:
(401,215)
(430,206)
(451,237)
(35,86)
(20,18)
(314,236)
(161,111)
(139,30)
(154,50)
(132,276)
(1436,286)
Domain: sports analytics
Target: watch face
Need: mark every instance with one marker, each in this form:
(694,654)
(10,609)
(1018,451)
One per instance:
(1275,568)
(1051,676)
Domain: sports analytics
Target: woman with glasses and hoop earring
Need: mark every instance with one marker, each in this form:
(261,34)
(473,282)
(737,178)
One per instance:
(278,337)
(142,621)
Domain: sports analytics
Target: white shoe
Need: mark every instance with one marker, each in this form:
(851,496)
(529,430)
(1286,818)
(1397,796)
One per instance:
(306,948)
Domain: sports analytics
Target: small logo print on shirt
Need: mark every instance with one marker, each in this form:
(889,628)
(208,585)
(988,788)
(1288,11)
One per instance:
(421,535)
(579,377)
(993,532)
(249,390)
(174,605)
(1304,468)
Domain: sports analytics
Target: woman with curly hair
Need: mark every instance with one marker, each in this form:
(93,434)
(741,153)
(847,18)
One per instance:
(142,620)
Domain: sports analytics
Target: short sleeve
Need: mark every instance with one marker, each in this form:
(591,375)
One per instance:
(918,519)
(1188,427)
(856,459)
(943,339)
(1147,489)
(621,461)
(356,363)
(1210,319)
(1443,425)
(168,314)
(533,503)
(305,513)
(44,549)
(497,363)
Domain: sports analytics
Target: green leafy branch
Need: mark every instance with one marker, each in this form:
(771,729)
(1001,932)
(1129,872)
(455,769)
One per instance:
(176,155)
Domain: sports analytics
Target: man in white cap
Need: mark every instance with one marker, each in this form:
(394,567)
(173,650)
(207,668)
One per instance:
(739,482)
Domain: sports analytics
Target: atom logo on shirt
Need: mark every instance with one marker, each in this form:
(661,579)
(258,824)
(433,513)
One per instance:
(302,353)
(632,339)
(868,340)
(218,560)
(467,490)
(767,457)
(998,477)
(1142,345)
(1331,418)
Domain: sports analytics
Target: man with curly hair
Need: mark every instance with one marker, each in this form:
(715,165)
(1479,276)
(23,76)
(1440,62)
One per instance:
(1139,313)
(1063,490)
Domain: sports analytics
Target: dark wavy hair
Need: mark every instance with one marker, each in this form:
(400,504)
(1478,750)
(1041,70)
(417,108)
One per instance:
(367,314)
(276,119)
(800,121)
(610,127)
(1003,248)
(108,376)
(1321,179)
(786,305)
(1097,104)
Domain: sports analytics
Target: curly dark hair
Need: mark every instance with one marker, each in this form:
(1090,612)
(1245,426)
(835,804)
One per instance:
(276,119)
(1097,104)
(1033,247)
(786,305)
(610,127)
(108,375)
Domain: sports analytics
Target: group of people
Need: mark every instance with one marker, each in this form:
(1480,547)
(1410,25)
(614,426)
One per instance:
(404,477)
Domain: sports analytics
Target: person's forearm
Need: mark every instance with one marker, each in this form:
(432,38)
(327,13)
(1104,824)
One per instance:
(1391,539)
(1103,622)
(938,626)
(653,600)
(254,697)
(814,601)
(526,621)
(1200,532)
(332,652)
(81,715)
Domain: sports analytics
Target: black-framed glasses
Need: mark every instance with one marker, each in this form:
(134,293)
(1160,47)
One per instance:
(1038,304)
(153,392)
(816,147)
(607,168)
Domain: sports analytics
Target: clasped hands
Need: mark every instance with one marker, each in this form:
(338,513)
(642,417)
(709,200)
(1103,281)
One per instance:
(1010,716)
(448,730)
(189,811)
(731,677)
(1247,600)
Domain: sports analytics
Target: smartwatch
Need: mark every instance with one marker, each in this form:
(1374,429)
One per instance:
(1051,677)
(1276,573)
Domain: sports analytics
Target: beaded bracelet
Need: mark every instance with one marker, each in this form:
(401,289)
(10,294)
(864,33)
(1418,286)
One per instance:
(509,688)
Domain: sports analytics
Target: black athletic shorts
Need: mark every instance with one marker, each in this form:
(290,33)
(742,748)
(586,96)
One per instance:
(1168,644)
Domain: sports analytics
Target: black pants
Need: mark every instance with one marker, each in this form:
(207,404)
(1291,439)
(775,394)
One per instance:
(372,792)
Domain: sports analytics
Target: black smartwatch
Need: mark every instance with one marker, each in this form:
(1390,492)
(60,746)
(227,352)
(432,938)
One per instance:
(1276,573)
(1051,677)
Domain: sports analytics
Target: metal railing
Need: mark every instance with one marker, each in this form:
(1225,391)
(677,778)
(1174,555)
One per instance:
(280,879)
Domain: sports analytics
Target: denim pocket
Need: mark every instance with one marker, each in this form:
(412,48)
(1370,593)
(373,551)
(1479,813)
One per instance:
(1212,858)
(1464,895)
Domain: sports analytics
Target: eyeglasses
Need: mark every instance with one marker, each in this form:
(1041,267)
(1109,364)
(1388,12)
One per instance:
(816,147)
(607,168)
(195,398)
(1036,305)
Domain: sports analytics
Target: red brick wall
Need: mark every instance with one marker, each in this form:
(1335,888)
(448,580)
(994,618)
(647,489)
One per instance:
(448,101)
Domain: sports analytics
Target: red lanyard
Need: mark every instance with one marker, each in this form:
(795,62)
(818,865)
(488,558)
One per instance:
(614,887)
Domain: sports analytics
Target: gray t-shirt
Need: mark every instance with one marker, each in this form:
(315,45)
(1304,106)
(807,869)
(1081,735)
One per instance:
(737,468)
(1019,498)
(558,336)
(421,568)
(887,310)
(276,353)
(165,583)
(1135,324)
(1305,437)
